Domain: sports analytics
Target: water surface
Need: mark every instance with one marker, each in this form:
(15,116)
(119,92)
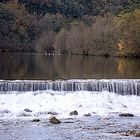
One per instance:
(105,123)
(39,66)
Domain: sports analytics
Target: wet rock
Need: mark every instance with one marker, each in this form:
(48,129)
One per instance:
(126,115)
(35,120)
(131,133)
(104,119)
(4,111)
(137,134)
(137,126)
(54,120)
(80,106)
(95,128)
(52,113)
(124,106)
(87,115)
(24,115)
(73,113)
(27,110)
(93,112)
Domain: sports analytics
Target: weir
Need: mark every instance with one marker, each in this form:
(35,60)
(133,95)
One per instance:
(122,87)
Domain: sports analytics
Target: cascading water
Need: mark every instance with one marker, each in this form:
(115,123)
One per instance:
(27,98)
(123,87)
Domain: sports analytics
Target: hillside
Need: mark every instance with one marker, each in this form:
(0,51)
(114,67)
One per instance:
(88,27)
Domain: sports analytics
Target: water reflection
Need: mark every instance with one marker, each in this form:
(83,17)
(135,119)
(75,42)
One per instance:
(37,66)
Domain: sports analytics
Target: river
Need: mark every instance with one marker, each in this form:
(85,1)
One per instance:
(40,66)
(37,86)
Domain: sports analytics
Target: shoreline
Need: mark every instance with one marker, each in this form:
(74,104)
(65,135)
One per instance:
(83,55)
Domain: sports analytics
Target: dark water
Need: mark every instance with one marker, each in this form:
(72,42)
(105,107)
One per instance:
(37,66)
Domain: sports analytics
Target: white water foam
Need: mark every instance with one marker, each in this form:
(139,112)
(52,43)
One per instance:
(41,102)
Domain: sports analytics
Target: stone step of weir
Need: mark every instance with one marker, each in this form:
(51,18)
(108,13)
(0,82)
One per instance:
(123,87)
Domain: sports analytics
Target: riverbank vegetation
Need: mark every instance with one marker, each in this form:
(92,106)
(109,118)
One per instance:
(87,27)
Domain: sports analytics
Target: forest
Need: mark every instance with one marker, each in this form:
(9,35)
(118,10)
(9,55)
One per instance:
(76,27)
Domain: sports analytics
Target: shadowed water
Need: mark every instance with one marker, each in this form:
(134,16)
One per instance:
(38,66)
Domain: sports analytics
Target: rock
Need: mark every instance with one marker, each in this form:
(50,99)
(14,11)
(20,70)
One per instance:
(104,119)
(137,134)
(24,114)
(35,120)
(93,112)
(80,106)
(4,111)
(69,122)
(87,115)
(52,113)
(137,126)
(27,110)
(128,132)
(54,120)
(73,113)
(95,128)
(126,115)
(134,133)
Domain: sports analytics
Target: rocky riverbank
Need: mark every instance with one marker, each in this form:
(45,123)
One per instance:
(73,128)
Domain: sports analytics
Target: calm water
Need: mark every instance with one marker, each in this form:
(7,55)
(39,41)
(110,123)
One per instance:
(37,66)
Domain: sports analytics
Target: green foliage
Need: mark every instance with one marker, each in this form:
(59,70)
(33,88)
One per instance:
(70,26)
(51,22)
(132,5)
(12,32)
(130,29)
(74,8)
